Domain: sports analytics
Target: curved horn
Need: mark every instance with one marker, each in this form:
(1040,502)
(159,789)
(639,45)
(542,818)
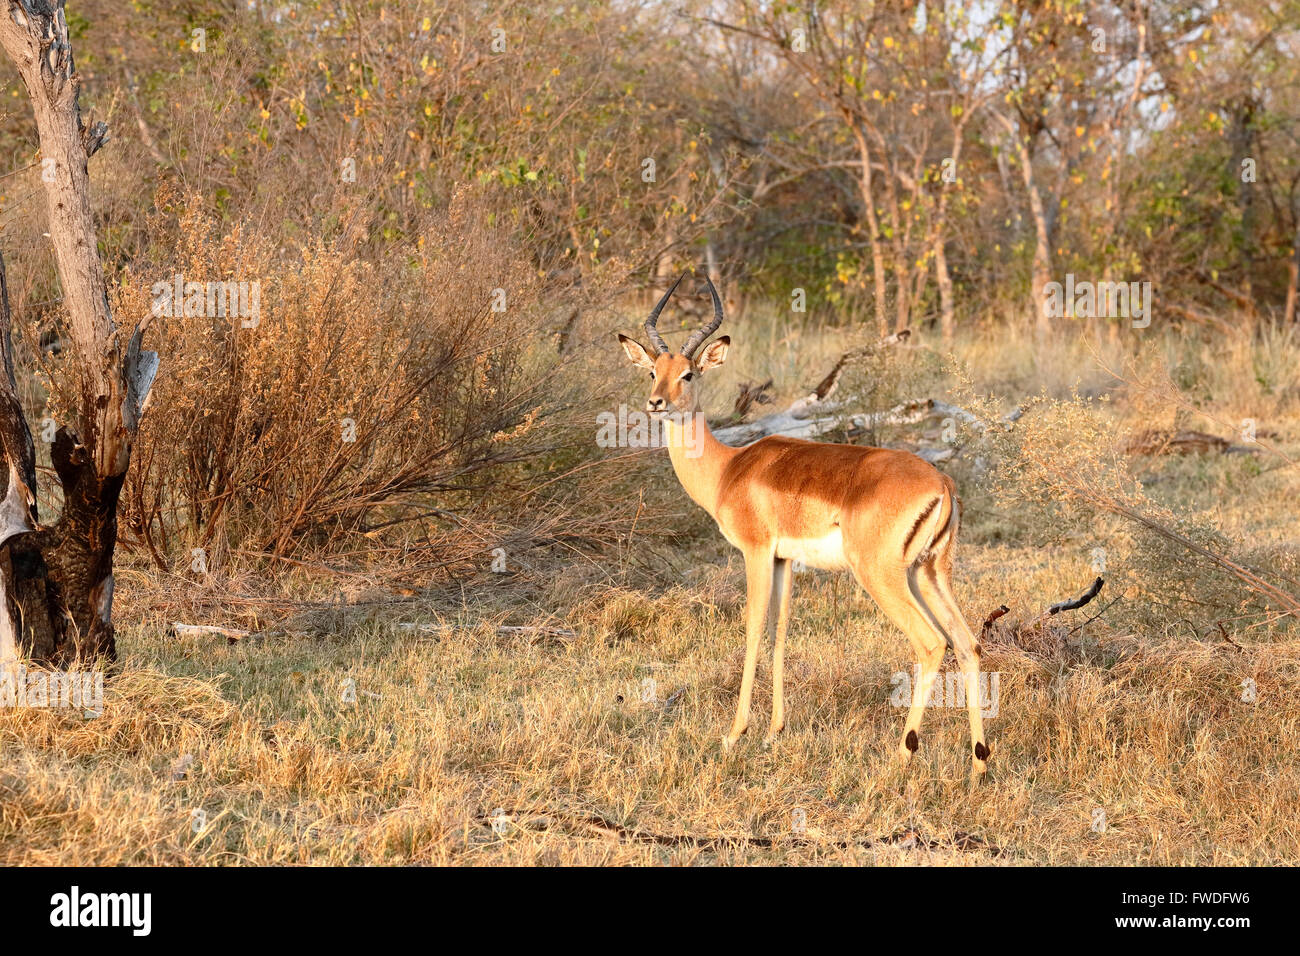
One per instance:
(655,338)
(696,338)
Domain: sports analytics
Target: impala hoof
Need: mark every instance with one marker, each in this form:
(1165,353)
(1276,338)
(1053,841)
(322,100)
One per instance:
(729,741)
(908,746)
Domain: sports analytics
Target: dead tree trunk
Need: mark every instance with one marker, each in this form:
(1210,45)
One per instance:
(58,579)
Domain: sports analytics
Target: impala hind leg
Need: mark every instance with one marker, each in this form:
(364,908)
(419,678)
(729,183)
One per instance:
(890,592)
(781,584)
(758,593)
(928,662)
(938,595)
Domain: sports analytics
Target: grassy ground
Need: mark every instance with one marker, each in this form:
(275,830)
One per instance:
(1112,744)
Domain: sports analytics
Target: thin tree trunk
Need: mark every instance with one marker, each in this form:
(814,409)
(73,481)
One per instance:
(59,593)
(901,259)
(873,229)
(903,307)
(947,319)
(711,263)
(1293,280)
(1243,135)
(947,322)
(1042,270)
(1042,244)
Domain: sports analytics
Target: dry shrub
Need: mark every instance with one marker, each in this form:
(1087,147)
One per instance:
(614,615)
(368,391)
(1060,470)
(879,378)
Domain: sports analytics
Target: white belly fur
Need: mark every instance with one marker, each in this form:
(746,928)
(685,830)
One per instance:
(826,552)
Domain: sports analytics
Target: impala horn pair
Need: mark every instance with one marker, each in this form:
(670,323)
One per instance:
(697,338)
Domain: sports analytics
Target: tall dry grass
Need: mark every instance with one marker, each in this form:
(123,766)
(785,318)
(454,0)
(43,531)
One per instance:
(472,746)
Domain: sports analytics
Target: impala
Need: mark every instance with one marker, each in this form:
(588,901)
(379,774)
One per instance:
(887,516)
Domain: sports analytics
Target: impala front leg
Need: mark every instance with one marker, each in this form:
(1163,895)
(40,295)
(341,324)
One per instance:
(781,594)
(758,592)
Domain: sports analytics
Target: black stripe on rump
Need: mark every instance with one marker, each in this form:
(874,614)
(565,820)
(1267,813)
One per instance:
(917,527)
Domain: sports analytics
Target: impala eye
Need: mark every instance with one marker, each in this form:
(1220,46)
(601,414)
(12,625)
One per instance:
(687,376)
(652,375)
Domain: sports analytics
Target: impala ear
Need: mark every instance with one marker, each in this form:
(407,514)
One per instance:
(636,352)
(715,353)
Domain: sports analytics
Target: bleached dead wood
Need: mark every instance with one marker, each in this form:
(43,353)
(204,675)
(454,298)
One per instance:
(202,630)
(809,417)
(816,414)
(956,412)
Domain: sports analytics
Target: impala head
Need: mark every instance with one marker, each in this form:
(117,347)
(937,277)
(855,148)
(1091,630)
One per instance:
(675,377)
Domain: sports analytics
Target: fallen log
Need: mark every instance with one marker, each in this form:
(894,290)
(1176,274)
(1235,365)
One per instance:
(815,414)
(231,634)
(809,417)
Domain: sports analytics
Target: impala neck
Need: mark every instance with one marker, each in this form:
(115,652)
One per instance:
(698,458)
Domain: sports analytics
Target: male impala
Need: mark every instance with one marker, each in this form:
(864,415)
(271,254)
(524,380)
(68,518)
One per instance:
(887,516)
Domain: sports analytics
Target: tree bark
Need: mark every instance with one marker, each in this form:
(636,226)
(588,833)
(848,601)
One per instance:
(58,580)
(1042,273)
(1243,137)
(1293,278)
(947,312)
(873,226)
(939,235)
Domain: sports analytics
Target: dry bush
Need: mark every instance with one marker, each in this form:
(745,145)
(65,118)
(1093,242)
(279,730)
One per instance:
(883,378)
(365,387)
(1060,470)
(415,102)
